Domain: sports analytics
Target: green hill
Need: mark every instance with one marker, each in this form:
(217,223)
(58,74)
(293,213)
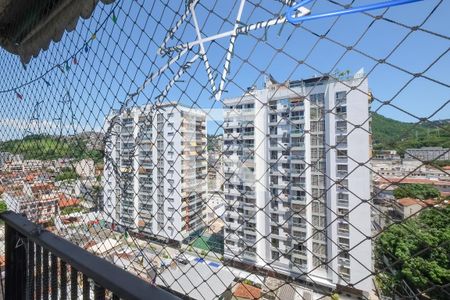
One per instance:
(392,134)
(386,134)
(45,147)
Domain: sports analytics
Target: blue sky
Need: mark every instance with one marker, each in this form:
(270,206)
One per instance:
(125,53)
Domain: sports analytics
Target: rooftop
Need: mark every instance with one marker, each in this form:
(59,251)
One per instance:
(405,202)
(198,280)
(247,291)
(391,180)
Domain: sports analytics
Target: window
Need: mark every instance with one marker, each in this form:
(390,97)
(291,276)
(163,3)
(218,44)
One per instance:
(342,95)
(318,207)
(344,242)
(275,255)
(344,254)
(341,109)
(273,142)
(341,125)
(275,243)
(317,262)
(342,196)
(318,221)
(342,183)
(341,153)
(315,180)
(274,217)
(342,168)
(274,179)
(275,230)
(318,235)
(317,98)
(319,249)
(297,115)
(273,155)
(314,113)
(342,141)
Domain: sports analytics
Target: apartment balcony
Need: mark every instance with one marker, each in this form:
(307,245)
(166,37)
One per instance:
(341,130)
(247,255)
(299,253)
(249,241)
(298,200)
(297,158)
(342,159)
(341,145)
(342,203)
(341,174)
(297,133)
(297,120)
(345,262)
(343,233)
(41,265)
(344,246)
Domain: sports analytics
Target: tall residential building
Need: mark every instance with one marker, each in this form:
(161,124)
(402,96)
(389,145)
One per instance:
(295,179)
(155,170)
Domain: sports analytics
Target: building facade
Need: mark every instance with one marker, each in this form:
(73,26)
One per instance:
(37,201)
(295,180)
(428,153)
(155,170)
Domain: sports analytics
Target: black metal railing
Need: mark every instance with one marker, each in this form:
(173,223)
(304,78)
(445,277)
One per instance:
(42,265)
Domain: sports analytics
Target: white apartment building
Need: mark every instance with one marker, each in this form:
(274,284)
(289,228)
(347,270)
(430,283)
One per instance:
(295,180)
(155,170)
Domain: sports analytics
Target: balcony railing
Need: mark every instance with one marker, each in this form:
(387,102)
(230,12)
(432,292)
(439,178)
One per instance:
(41,265)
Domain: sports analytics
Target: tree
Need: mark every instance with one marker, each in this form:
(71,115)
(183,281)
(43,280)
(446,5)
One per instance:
(3,206)
(419,191)
(66,174)
(416,253)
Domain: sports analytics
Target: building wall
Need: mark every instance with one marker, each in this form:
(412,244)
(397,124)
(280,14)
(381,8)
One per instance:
(428,153)
(300,164)
(85,168)
(154,179)
(38,208)
(409,210)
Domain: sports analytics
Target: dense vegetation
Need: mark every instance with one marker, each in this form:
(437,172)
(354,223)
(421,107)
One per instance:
(3,208)
(417,253)
(419,191)
(70,210)
(66,174)
(214,142)
(387,134)
(46,147)
(391,134)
